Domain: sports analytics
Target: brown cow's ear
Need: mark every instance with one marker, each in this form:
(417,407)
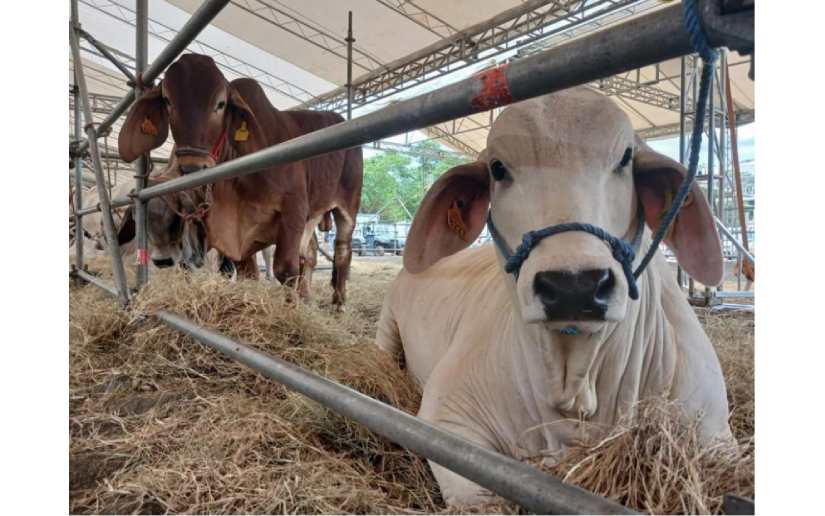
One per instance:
(693,236)
(244,133)
(450,217)
(146,126)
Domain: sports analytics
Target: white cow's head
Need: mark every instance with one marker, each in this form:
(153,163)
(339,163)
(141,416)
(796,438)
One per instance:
(567,157)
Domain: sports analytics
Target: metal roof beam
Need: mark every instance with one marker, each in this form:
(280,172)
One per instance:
(421,17)
(317,36)
(521,25)
(222,59)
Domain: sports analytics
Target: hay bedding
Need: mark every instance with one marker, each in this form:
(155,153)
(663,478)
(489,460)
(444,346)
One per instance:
(159,423)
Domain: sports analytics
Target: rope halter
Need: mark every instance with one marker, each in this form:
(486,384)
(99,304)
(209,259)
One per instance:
(623,252)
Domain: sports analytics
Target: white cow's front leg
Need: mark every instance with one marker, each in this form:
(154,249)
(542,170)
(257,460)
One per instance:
(455,489)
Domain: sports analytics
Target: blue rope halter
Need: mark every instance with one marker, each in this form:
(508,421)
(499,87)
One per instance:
(625,252)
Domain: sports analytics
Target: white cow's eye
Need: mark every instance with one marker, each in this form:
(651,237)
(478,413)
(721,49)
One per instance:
(498,170)
(628,155)
(221,105)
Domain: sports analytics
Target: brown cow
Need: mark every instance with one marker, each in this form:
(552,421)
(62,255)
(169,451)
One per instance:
(212,121)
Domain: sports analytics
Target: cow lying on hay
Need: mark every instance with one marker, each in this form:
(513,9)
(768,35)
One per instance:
(525,363)
(159,423)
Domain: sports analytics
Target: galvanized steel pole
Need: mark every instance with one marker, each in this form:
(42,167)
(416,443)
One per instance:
(738,245)
(142,163)
(78,166)
(78,184)
(682,102)
(637,43)
(107,54)
(99,283)
(190,30)
(711,137)
(723,149)
(350,40)
(103,194)
(512,479)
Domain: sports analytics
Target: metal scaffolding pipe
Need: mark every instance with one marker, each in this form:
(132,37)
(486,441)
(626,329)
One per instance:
(94,280)
(350,40)
(142,163)
(533,489)
(637,43)
(107,54)
(88,210)
(78,178)
(190,30)
(682,106)
(103,194)
(726,232)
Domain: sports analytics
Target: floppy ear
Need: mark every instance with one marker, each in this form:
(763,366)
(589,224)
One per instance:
(450,217)
(692,236)
(244,132)
(126,231)
(146,126)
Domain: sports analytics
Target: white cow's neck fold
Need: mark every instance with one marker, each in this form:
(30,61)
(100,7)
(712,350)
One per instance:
(592,377)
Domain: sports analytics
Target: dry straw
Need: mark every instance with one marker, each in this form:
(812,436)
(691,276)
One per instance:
(160,423)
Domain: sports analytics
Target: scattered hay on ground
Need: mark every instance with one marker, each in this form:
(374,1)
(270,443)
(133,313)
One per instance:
(160,423)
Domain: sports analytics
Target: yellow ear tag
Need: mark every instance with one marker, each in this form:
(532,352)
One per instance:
(455,221)
(147,127)
(242,133)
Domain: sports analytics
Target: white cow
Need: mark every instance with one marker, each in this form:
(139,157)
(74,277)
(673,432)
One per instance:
(523,365)
(94,233)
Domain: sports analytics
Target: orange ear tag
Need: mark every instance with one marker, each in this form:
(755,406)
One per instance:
(456,222)
(147,127)
(242,133)
(668,204)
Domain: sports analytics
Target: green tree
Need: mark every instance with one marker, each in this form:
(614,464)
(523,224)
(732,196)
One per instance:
(392,178)
(381,184)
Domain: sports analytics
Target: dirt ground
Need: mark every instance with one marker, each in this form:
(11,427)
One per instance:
(160,424)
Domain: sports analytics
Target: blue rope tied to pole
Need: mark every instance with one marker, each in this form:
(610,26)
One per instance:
(699,40)
(624,252)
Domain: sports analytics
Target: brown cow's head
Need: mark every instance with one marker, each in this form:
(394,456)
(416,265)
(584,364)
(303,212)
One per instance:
(205,112)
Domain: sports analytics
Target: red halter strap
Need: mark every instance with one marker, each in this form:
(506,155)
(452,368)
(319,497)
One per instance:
(217,149)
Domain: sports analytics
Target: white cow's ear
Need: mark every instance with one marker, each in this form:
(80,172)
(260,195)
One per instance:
(693,236)
(450,217)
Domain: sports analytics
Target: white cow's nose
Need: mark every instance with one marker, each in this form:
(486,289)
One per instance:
(575,296)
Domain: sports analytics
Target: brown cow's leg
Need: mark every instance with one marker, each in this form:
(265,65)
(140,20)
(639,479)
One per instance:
(247,269)
(287,263)
(344,226)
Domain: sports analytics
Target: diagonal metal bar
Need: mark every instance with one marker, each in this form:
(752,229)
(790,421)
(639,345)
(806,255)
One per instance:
(529,487)
(107,54)
(103,195)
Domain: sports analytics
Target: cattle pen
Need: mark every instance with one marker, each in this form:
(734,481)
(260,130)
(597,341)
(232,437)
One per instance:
(642,41)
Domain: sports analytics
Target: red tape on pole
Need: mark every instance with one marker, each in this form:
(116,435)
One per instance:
(494,89)
(143,257)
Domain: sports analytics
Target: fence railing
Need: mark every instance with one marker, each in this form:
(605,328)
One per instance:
(640,42)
